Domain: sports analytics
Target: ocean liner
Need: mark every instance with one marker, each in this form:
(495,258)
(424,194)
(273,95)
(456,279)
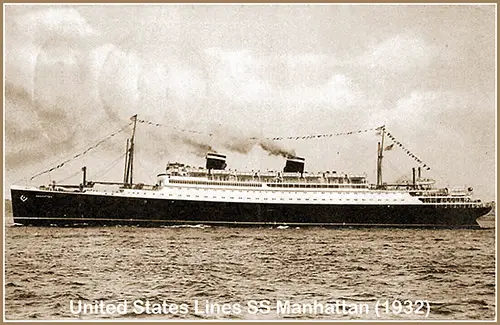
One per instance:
(212,195)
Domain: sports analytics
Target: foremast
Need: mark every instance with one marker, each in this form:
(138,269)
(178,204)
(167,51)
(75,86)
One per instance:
(128,173)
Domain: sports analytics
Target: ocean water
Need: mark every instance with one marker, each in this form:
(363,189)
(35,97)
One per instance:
(226,273)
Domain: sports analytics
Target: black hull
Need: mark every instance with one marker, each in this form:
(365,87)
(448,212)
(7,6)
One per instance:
(41,208)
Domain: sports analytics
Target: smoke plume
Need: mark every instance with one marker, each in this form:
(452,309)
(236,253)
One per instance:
(273,149)
(242,145)
(200,148)
(233,140)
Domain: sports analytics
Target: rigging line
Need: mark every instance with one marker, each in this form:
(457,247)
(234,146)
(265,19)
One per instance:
(81,153)
(302,137)
(69,177)
(82,147)
(106,169)
(99,172)
(396,168)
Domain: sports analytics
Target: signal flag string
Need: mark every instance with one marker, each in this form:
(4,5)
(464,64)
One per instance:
(327,135)
(405,150)
(315,136)
(304,137)
(173,127)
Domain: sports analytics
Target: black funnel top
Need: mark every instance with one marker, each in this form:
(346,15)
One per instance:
(294,165)
(215,161)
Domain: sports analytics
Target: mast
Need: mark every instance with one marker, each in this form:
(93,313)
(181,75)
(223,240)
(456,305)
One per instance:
(126,164)
(130,165)
(379,159)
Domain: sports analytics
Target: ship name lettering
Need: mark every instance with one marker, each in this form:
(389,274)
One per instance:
(338,307)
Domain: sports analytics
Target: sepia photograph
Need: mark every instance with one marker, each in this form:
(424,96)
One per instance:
(250,162)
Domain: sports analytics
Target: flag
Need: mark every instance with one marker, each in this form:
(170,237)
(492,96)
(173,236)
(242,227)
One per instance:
(389,147)
(379,130)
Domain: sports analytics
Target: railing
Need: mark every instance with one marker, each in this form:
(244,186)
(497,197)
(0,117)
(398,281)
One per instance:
(457,205)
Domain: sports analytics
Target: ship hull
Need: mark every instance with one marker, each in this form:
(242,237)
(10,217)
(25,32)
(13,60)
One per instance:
(42,208)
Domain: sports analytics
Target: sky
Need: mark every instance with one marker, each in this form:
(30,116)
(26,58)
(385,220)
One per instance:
(215,76)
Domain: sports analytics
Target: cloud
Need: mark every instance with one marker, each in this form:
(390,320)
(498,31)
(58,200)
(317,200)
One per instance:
(306,68)
(119,82)
(244,77)
(337,91)
(65,24)
(398,53)
(72,79)
(236,75)
(439,126)
(306,60)
(30,34)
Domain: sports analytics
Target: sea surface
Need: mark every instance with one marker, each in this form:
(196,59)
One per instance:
(227,272)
